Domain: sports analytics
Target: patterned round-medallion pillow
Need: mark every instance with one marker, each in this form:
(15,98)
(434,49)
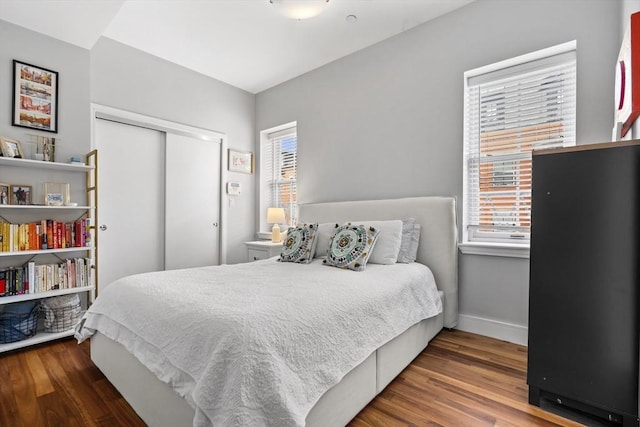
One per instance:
(351,246)
(299,244)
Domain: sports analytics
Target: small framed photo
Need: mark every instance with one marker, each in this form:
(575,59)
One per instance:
(35,97)
(11,148)
(5,191)
(20,195)
(240,161)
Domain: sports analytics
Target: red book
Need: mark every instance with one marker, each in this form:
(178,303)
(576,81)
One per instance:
(50,241)
(3,282)
(59,234)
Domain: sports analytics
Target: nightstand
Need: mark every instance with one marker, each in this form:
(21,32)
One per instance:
(262,249)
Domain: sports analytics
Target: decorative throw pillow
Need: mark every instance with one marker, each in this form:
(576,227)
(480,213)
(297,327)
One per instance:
(351,246)
(299,244)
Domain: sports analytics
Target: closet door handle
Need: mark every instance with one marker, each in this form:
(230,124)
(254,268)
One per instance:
(103,227)
(215,224)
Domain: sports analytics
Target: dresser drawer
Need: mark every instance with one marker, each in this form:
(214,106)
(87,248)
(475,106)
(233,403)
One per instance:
(257,254)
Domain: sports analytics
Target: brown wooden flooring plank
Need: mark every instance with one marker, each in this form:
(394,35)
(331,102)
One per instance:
(23,387)
(461,403)
(471,401)
(8,406)
(70,384)
(510,354)
(39,373)
(518,403)
(56,411)
(482,354)
(374,417)
(471,373)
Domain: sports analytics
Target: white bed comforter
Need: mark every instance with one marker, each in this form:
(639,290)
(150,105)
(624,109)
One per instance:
(258,344)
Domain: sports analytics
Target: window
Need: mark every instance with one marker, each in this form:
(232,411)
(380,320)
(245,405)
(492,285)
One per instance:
(512,108)
(278,173)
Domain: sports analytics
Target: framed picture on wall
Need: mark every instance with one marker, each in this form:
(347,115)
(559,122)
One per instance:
(35,97)
(240,161)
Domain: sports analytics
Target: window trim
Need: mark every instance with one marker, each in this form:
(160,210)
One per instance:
(263,230)
(511,248)
(502,249)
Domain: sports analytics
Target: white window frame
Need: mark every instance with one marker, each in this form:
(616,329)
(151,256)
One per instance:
(264,229)
(511,243)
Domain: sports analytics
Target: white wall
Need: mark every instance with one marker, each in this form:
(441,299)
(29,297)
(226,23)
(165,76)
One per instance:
(387,121)
(132,80)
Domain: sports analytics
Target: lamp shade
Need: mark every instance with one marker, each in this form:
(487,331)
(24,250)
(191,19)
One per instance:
(299,9)
(275,215)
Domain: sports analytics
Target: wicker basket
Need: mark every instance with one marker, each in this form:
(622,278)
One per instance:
(18,326)
(61,313)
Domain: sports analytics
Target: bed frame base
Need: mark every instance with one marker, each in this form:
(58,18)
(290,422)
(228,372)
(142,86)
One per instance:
(159,406)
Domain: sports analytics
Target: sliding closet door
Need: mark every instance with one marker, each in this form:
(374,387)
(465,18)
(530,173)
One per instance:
(192,202)
(130,200)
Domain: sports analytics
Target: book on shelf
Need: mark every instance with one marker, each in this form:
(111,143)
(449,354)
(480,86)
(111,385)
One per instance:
(36,278)
(45,234)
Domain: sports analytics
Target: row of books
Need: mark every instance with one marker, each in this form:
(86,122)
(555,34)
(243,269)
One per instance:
(45,234)
(32,278)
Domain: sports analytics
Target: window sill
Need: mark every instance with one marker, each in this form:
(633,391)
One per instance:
(495,249)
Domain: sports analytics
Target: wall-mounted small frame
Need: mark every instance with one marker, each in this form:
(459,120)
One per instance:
(240,161)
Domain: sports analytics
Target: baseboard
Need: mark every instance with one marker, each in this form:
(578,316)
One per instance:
(493,328)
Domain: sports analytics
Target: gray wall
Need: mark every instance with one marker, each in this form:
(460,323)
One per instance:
(115,75)
(387,121)
(72,64)
(129,79)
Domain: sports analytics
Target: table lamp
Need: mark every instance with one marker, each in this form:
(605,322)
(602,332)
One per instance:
(275,216)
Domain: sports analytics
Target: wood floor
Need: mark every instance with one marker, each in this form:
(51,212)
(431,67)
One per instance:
(461,379)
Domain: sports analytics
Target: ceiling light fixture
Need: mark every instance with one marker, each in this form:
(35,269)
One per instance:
(299,9)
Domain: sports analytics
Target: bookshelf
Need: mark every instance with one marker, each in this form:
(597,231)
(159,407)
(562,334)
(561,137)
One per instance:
(35,173)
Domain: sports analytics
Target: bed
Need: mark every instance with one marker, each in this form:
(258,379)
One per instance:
(158,404)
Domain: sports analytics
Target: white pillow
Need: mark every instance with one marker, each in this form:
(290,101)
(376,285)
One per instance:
(405,246)
(415,240)
(323,236)
(388,243)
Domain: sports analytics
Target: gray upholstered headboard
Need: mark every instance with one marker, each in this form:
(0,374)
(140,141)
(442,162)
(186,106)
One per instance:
(438,239)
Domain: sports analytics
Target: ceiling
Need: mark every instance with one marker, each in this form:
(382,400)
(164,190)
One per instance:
(244,43)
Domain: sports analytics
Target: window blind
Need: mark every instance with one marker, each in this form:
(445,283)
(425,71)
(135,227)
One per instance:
(280,172)
(510,112)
